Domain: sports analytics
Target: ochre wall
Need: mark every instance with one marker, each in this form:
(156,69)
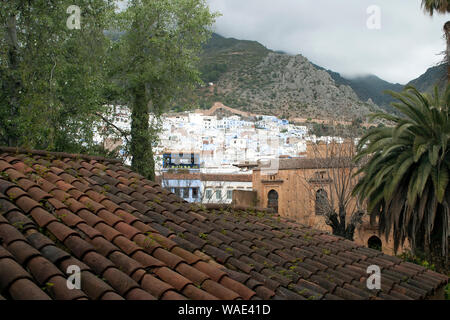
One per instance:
(242,198)
(296,200)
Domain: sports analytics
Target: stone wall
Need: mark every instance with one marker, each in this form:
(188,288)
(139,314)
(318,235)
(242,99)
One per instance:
(244,199)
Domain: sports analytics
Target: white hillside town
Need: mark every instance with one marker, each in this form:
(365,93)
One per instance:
(203,157)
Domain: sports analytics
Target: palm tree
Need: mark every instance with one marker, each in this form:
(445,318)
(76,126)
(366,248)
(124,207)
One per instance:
(405,173)
(443,7)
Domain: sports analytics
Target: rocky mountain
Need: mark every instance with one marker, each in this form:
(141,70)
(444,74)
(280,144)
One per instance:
(370,87)
(247,76)
(433,76)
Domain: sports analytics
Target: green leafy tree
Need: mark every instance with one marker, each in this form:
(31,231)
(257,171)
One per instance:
(406,172)
(442,7)
(51,76)
(156,63)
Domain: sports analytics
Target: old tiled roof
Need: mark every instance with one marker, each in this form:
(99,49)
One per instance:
(309,163)
(134,240)
(206,177)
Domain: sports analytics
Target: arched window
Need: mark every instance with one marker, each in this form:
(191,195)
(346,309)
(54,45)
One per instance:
(321,201)
(375,243)
(272,197)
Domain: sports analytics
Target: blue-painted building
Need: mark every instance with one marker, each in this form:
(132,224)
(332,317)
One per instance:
(189,190)
(181,160)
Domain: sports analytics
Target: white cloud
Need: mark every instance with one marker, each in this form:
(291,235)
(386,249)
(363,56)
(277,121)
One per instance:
(334,33)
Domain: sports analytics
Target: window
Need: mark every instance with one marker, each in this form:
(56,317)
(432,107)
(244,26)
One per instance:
(273,200)
(185,193)
(177,191)
(195,193)
(320,175)
(218,194)
(321,202)
(208,194)
(229,194)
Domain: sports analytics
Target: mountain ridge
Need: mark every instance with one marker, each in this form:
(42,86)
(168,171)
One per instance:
(248,76)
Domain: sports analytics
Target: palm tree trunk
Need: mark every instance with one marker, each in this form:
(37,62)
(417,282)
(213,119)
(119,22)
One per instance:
(447,52)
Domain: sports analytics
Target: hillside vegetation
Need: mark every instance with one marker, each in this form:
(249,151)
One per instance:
(249,77)
(432,77)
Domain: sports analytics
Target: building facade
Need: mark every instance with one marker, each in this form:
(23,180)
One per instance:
(301,189)
(205,188)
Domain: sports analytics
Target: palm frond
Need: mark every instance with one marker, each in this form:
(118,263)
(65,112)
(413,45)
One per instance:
(405,181)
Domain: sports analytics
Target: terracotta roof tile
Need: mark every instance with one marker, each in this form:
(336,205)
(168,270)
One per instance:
(25,289)
(409,291)
(54,254)
(103,246)
(119,281)
(26,203)
(108,232)
(20,221)
(93,286)
(168,258)
(127,230)
(147,243)
(60,230)
(57,289)
(399,296)
(219,291)
(195,240)
(235,286)
(155,286)
(22,251)
(126,245)
(9,234)
(264,292)
(4,165)
(42,270)
(185,243)
(78,246)
(172,278)
(38,240)
(139,294)
(11,272)
(196,276)
(146,260)
(88,231)
(38,194)
(214,273)
(6,206)
(125,263)
(195,293)
(97,262)
(346,294)
(42,217)
(287,294)
(186,255)
(265,280)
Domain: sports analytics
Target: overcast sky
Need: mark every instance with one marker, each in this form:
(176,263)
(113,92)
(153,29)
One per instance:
(334,33)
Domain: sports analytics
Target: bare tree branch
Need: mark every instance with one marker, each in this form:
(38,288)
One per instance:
(122,133)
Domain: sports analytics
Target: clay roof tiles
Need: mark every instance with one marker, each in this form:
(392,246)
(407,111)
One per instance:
(134,240)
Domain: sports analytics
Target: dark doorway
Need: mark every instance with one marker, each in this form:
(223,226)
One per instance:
(273,200)
(375,243)
(321,201)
